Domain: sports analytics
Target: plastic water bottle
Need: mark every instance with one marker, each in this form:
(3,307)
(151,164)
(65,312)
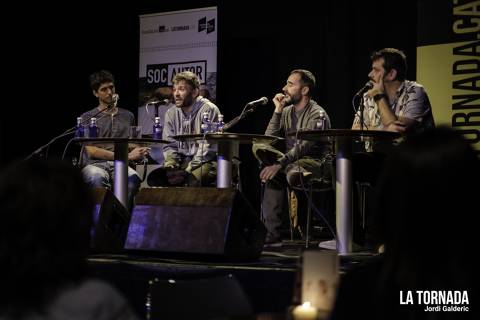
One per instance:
(79,131)
(157,129)
(220,124)
(206,125)
(321,123)
(93,129)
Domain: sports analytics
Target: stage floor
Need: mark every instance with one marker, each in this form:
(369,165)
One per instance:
(269,283)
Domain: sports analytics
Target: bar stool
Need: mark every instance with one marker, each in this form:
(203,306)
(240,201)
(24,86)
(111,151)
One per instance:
(313,185)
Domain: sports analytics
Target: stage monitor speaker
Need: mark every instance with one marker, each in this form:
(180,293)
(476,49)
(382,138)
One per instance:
(199,221)
(110,223)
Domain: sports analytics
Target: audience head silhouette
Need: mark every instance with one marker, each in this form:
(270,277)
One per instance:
(45,209)
(427,194)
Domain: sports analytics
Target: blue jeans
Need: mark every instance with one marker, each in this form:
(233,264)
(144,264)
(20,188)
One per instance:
(100,175)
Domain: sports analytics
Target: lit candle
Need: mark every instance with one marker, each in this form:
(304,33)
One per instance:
(305,312)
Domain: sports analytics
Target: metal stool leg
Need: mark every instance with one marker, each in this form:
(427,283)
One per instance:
(262,193)
(362,203)
(238,185)
(362,190)
(309,213)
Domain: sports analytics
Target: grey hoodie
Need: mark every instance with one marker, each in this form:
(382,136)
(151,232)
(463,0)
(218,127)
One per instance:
(178,122)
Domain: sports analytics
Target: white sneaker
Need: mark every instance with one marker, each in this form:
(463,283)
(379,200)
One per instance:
(330,245)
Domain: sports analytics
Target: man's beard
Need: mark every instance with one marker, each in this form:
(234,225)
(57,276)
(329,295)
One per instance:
(187,101)
(292,100)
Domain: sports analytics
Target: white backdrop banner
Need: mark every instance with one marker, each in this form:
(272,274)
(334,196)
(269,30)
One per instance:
(173,42)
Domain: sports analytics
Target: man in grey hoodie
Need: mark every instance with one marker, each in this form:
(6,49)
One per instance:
(190,162)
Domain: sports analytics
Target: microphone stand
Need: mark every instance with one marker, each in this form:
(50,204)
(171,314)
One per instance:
(237,119)
(65,133)
(361,107)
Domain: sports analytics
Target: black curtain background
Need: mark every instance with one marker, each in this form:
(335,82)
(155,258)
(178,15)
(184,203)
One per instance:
(50,50)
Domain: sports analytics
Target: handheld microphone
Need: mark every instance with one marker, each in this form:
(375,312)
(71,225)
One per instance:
(259,102)
(366,87)
(159,102)
(115,98)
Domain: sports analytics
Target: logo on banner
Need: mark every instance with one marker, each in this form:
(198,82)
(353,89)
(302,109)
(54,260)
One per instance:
(180,28)
(162,74)
(163,29)
(160,29)
(209,25)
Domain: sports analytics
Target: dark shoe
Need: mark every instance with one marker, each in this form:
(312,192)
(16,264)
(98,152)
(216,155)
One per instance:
(166,177)
(321,184)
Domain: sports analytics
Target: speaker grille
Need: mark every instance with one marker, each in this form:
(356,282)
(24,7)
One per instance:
(195,221)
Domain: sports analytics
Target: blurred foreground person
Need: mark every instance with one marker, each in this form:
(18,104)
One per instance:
(427,194)
(46,213)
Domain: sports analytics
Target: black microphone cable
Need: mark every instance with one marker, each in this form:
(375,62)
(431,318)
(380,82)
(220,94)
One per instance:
(65,133)
(358,110)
